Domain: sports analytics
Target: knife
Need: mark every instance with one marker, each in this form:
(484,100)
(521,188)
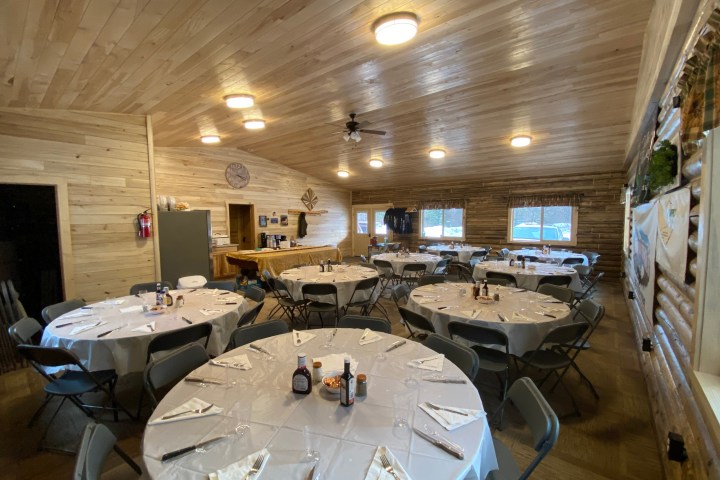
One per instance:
(100,335)
(441,444)
(445,380)
(259,349)
(546,314)
(183,451)
(364,335)
(187,321)
(502,318)
(311,474)
(437,407)
(203,380)
(395,345)
(69,323)
(334,333)
(297,338)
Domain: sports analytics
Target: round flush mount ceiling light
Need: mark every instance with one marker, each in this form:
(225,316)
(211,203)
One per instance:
(254,124)
(376,163)
(521,141)
(343,173)
(437,153)
(395,28)
(239,101)
(210,139)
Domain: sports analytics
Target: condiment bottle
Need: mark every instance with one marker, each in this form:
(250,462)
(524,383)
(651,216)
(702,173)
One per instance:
(167,298)
(158,294)
(361,388)
(317,373)
(301,379)
(496,295)
(180,301)
(476,290)
(347,385)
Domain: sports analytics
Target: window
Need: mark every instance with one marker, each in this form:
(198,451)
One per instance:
(380,227)
(552,225)
(443,223)
(362,223)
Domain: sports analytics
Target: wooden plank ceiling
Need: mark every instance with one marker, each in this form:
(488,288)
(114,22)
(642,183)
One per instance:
(477,73)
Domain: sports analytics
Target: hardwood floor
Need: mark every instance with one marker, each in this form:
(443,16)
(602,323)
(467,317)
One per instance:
(612,439)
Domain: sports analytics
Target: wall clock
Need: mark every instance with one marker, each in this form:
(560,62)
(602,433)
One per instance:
(237,175)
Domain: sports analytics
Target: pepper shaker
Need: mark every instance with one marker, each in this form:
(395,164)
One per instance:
(361,387)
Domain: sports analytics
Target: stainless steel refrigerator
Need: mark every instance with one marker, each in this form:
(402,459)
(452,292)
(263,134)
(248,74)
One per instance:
(185,244)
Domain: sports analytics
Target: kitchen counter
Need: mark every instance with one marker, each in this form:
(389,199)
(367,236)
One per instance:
(276,261)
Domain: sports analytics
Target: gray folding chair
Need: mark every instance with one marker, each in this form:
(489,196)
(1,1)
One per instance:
(412,272)
(162,374)
(563,294)
(250,333)
(227,285)
(51,312)
(412,319)
(441,267)
(508,278)
(149,286)
(95,446)
(528,258)
(400,294)
(316,296)
(570,261)
(285,302)
(453,254)
(250,316)
(255,294)
(386,272)
(579,296)
(26,331)
(431,279)
(463,357)
(363,322)
(561,280)
(362,296)
(544,427)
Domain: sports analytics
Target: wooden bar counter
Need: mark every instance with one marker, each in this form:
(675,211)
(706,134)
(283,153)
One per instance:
(276,261)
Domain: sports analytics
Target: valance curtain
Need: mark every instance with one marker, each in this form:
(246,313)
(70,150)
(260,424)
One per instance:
(441,204)
(545,200)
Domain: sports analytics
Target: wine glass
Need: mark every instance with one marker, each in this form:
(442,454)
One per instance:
(311,454)
(329,335)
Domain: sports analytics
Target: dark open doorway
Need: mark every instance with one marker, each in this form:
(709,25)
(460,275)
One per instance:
(242,231)
(29,245)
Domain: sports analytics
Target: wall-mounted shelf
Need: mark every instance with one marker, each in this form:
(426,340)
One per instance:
(312,212)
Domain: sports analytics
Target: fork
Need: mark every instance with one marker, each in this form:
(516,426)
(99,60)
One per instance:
(388,468)
(186,412)
(255,467)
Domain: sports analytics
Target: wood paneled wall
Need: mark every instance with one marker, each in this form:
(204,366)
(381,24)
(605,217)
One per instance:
(600,214)
(197,176)
(103,160)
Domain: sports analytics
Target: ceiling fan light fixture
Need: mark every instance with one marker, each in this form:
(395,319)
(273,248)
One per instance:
(210,139)
(255,124)
(355,136)
(437,153)
(519,141)
(343,173)
(242,100)
(376,163)
(395,28)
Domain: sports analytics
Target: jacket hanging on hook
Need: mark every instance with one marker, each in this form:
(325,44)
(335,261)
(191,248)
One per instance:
(302,225)
(398,220)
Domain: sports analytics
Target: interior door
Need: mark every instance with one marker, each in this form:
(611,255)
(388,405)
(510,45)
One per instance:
(368,222)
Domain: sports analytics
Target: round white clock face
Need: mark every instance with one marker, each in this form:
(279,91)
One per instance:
(237,175)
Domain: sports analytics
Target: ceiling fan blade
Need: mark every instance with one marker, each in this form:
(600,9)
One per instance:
(362,124)
(372,132)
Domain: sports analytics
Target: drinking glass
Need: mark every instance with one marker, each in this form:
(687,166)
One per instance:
(311,454)
(329,338)
(411,375)
(400,411)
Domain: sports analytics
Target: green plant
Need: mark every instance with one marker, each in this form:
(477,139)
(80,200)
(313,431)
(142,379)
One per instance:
(663,165)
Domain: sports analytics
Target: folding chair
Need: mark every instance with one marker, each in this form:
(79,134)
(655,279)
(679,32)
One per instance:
(477,257)
(362,296)
(411,272)
(250,333)
(416,320)
(285,302)
(162,374)
(553,354)
(373,323)
(250,316)
(510,280)
(95,446)
(316,297)
(422,248)
(386,272)
(544,427)
(255,294)
(461,272)
(530,258)
(399,293)
(585,274)
(26,331)
(431,279)
(453,254)
(564,294)
(579,296)
(70,385)
(570,261)
(227,285)
(51,312)
(560,280)
(463,357)
(441,267)
(149,286)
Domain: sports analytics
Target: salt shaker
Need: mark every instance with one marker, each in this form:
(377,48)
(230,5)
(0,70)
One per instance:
(317,372)
(180,301)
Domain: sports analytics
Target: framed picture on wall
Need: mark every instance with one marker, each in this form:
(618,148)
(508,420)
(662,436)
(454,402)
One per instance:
(284,220)
(262,220)
(274,220)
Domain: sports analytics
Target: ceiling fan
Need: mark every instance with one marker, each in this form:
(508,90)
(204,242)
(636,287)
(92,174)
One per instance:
(353,130)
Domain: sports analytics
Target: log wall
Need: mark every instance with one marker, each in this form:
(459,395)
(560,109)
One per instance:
(600,214)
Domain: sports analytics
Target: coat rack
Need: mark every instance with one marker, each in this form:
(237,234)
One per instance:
(311,212)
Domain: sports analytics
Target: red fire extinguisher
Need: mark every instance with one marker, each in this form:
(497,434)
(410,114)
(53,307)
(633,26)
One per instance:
(144,224)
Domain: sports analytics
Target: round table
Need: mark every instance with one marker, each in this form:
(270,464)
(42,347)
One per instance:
(125,349)
(444,303)
(398,262)
(344,277)
(464,252)
(528,278)
(346,437)
(555,256)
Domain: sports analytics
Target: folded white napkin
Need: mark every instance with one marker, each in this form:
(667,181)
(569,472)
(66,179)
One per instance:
(469,313)
(214,291)
(336,362)
(83,328)
(519,317)
(132,309)
(147,328)
(368,336)
(376,471)
(192,404)
(450,420)
(118,301)
(300,338)
(240,469)
(241,362)
(433,362)
(552,309)
(209,311)
(78,313)
(424,301)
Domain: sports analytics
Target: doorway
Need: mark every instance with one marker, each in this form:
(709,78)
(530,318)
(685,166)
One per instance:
(241,225)
(30,246)
(368,222)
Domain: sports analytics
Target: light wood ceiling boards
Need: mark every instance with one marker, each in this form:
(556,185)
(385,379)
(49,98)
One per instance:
(478,72)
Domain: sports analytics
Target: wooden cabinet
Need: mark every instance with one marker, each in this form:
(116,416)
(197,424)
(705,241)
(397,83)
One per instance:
(221,268)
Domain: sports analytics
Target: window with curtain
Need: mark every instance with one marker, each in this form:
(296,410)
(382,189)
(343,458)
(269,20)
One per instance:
(442,220)
(543,219)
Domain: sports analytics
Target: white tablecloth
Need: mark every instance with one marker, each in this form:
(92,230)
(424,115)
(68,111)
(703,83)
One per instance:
(344,277)
(443,304)
(555,256)
(528,278)
(125,350)
(345,437)
(464,252)
(399,261)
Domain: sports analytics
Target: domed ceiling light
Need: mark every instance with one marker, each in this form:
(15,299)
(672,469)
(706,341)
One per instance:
(395,28)
(239,101)
(437,153)
(521,141)
(254,124)
(209,139)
